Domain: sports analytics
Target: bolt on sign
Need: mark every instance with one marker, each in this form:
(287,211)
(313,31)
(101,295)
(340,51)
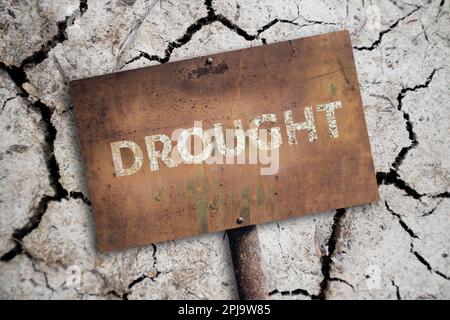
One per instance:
(218,142)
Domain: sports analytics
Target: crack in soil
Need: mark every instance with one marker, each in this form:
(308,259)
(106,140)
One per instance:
(5,102)
(343,281)
(19,77)
(60,192)
(211,17)
(144,276)
(38,56)
(377,42)
(295,292)
(392,177)
(409,126)
(422,260)
(397,290)
(327,260)
(419,257)
(405,227)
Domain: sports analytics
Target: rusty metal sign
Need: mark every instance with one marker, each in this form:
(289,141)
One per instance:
(224,141)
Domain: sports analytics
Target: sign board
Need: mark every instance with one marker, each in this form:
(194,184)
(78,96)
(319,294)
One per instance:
(218,142)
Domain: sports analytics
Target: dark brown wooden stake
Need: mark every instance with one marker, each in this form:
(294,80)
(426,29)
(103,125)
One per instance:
(246,255)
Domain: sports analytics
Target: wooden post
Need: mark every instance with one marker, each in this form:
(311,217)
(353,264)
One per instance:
(246,255)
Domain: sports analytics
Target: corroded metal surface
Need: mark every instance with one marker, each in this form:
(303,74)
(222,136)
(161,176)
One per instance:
(246,255)
(329,167)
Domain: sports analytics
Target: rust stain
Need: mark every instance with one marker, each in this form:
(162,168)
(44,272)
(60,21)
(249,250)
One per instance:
(209,70)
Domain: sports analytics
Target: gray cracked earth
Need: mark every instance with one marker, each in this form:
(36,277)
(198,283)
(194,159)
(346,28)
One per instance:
(397,248)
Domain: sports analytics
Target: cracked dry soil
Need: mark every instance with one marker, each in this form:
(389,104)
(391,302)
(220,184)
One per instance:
(395,249)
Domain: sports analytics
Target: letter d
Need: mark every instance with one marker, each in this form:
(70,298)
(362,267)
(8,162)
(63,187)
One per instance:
(117,157)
